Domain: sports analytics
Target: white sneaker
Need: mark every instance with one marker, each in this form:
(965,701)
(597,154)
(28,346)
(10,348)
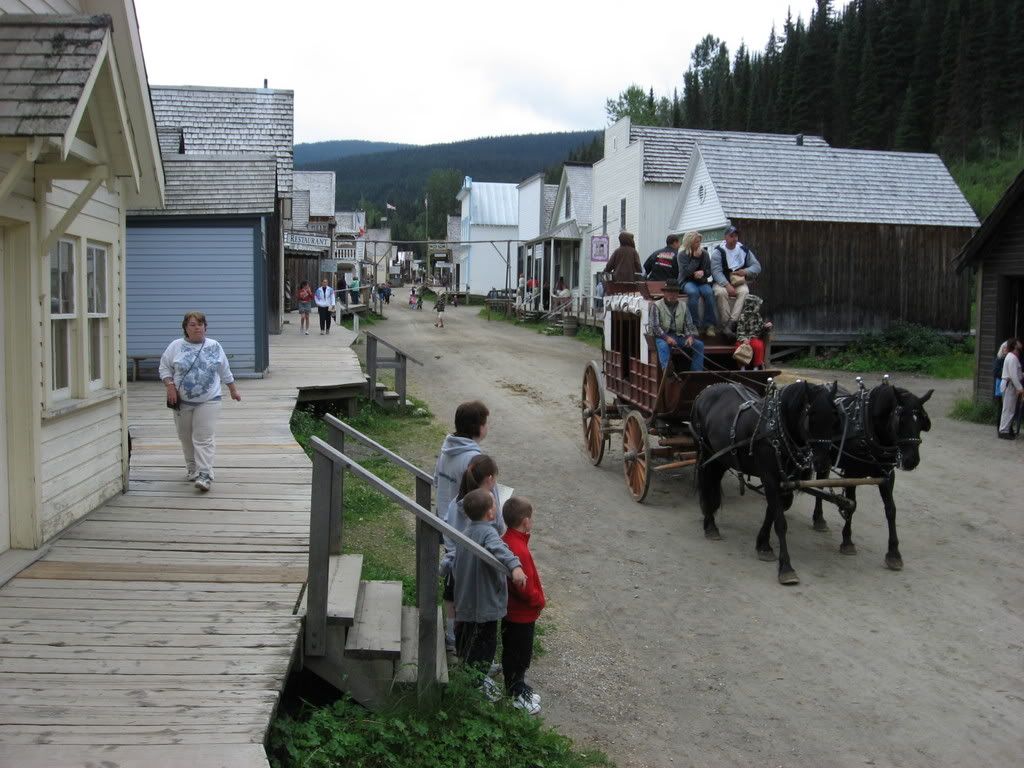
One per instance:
(203,482)
(491,690)
(306,332)
(527,704)
(191,475)
(495,670)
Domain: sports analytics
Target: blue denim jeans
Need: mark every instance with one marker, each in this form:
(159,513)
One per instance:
(695,352)
(694,292)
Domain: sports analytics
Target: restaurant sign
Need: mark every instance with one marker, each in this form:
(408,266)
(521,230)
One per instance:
(305,241)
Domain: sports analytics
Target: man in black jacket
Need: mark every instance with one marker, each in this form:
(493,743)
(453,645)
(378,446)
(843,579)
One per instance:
(661,265)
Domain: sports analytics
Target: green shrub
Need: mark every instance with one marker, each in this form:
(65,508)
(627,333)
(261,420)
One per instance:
(968,409)
(464,731)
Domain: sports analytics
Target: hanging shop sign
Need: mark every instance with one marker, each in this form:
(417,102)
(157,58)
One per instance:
(305,241)
(599,248)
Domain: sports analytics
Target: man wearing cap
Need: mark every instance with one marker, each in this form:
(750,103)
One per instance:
(732,266)
(673,328)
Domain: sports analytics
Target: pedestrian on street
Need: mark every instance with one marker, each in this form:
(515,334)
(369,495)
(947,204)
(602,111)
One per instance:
(324,299)
(304,297)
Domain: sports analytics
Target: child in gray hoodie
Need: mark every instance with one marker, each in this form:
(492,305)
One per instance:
(457,451)
(481,593)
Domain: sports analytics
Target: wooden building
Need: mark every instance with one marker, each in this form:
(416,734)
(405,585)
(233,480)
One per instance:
(996,254)
(849,240)
(486,256)
(78,147)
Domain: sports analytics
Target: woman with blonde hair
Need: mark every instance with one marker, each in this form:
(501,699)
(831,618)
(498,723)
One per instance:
(192,368)
(695,279)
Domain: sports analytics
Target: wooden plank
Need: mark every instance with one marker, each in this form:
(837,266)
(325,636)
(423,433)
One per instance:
(343,594)
(130,734)
(376,632)
(178,682)
(269,666)
(153,756)
(162,640)
(140,572)
(407,668)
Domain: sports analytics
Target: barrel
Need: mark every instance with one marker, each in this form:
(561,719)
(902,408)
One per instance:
(570,325)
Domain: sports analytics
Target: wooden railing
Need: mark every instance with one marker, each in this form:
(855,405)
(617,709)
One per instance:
(375,362)
(327,510)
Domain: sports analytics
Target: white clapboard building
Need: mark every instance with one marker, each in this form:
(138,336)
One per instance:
(486,256)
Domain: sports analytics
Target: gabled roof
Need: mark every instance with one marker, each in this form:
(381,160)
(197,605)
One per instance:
(667,150)
(212,185)
(567,230)
(973,250)
(550,193)
(46,63)
(769,180)
(492,204)
(321,190)
(228,120)
(580,179)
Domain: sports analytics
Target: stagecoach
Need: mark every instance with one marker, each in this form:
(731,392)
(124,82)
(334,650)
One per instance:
(629,393)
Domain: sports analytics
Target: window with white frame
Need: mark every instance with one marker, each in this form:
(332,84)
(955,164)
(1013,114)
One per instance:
(79,318)
(622,215)
(96,298)
(62,315)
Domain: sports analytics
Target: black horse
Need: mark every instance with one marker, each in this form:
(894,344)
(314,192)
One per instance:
(882,431)
(780,437)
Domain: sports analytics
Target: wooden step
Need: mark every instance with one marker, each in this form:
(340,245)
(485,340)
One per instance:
(342,589)
(407,669)
(390,396)
(376,632)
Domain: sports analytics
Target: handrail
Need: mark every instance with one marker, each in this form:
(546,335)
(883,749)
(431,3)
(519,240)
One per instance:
(423,515)
(394,458)
(386,343)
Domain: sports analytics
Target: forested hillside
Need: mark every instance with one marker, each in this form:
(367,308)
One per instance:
(940,76)
(400,176)
(321,151)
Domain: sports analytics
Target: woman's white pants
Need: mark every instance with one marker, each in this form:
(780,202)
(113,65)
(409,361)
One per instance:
(196,425)
(1009,406)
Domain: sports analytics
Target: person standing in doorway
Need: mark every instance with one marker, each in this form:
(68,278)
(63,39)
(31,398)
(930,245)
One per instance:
(304,297)
(354,287)
(342,288)
(1013,389)
(324,299)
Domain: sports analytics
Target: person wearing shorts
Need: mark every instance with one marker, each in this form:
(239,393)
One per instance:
(304,296)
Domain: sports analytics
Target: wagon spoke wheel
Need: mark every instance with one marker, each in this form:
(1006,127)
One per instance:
(594,413)
(636,456)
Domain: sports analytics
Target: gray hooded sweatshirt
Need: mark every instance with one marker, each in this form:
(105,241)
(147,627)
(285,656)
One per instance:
(457,519)
(456,453)
(481,593)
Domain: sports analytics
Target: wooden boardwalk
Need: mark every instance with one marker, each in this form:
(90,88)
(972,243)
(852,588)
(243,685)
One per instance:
(159,631)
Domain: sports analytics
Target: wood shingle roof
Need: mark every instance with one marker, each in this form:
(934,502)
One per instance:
(214,121)
(45,64)
(821,183)
(218,185)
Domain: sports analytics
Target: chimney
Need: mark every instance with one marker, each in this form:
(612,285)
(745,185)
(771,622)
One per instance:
(265,85)
(799,136)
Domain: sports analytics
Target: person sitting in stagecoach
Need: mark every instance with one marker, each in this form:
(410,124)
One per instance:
(733,266)
(673,328)
(662,264)
(750,331)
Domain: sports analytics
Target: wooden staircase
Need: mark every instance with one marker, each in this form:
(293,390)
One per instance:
(357,634)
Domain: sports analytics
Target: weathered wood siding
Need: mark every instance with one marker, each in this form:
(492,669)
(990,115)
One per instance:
(1002,265)
(821,277)
(81,464)
(63,7)
(700,211)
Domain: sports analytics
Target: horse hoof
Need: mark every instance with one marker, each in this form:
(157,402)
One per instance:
(713,534)
(894,563)
(768,555)
(821,526)
(848,549)
(789,578)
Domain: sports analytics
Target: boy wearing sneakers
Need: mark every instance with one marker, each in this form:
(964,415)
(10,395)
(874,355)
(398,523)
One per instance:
(481,593)
(524,607)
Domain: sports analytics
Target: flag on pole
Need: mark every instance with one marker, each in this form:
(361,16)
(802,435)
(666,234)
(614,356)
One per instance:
(390,207)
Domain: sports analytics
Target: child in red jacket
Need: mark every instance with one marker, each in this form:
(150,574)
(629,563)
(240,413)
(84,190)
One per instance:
(524,607)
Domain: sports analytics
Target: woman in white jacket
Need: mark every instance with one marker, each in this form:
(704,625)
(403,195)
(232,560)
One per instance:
(1013,388)
(192,368)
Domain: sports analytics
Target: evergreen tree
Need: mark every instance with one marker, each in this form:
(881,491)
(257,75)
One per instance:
(677,109)
(949,51)
(741,79)
(846,76)
(868,125)
(1012,52)
(693,102)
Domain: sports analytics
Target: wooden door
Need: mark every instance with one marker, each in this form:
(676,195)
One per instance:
(5,509)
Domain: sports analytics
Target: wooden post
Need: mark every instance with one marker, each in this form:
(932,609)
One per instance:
(371,365)
(428,545)
(319,556)
(400,383)
(336,439)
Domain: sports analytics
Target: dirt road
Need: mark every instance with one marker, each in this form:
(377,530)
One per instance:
(670,650)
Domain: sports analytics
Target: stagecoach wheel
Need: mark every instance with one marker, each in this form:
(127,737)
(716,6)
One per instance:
(636,456)
(595,415)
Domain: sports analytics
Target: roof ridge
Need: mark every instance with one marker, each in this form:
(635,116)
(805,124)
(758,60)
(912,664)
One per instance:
(76,20)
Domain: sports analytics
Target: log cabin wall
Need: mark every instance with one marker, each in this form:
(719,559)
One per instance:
(831,277)
(1001,283)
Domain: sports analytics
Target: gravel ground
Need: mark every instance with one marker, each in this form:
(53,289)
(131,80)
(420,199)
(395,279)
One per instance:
(667,649)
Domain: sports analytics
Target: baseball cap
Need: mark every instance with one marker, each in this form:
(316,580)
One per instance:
(732,231)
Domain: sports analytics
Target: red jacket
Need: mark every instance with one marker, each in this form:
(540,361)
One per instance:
(525,605)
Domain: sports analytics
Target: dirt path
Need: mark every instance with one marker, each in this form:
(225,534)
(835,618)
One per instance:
(670,650)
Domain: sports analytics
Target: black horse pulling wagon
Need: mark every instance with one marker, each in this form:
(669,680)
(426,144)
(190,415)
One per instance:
(629,393)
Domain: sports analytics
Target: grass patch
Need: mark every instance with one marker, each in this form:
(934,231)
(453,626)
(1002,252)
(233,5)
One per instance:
(983,182)
(903,347)
(374,526)
(465,730)
(968,409)
(589,335)
(365,320)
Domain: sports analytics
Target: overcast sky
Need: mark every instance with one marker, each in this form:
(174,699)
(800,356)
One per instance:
(422,72)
